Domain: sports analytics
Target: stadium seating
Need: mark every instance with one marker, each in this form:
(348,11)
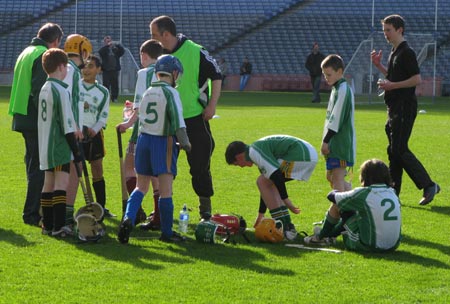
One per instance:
(275,35)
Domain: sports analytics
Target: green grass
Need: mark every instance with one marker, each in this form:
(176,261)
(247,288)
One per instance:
(39,269)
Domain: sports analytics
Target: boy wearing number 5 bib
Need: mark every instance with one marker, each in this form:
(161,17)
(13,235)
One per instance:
(370,215)
(161,127)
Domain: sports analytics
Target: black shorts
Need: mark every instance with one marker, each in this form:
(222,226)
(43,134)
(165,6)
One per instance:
(60,168)
(95,148)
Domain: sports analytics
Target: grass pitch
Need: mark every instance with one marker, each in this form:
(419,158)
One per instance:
(41,269)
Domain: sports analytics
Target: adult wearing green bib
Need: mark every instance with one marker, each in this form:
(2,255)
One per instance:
(29,77)
(199,91)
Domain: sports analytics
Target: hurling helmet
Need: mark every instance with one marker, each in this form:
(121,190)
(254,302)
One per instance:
(94,209)
(167,64)
(205,232)
(228,222)
(267,231)
(79,45)
(88,229)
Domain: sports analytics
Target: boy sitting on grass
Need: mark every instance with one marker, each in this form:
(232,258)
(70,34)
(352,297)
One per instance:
(370,215)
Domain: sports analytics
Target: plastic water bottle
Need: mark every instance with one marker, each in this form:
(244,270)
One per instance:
(127,110)
(184,220)
(380,91)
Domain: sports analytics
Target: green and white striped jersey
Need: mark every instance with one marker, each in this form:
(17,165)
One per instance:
(340,119)
(160,111)
(145,77)
(55,120)
(378,218)
(73,81)
(95,99)
(272,152)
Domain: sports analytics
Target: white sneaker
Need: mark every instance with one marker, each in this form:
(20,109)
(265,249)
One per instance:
(315,240)
(63,232)
(290,234)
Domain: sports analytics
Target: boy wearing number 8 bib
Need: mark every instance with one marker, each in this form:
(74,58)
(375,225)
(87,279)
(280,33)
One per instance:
(370,215)
(57,136)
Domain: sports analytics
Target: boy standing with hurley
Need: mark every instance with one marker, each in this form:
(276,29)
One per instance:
(57,135)
(95,99)
(339,140)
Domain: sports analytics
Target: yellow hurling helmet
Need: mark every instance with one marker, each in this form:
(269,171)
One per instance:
(267,231)
(79,45)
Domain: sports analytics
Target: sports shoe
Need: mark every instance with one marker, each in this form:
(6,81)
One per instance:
(429,193)
(33,221)
(315,240)
(65,231)
(151,225)
(205,216)
(124,231)
(290,234)
(175,238)
(46,232)
(140,216)
(108,214)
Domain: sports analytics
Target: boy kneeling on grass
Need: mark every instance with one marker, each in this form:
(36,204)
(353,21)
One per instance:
(370,215)
(280,158)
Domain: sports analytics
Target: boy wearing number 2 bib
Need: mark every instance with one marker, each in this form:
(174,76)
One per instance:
(370,215)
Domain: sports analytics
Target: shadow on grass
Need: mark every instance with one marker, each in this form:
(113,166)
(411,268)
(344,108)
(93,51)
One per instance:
(399,255)
(411,258)
(13,238)
(436,209)
(144,250)
(229,255)
(444,248)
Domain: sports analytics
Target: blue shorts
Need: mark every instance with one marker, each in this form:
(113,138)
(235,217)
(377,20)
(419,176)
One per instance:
(334,163)
(156,155)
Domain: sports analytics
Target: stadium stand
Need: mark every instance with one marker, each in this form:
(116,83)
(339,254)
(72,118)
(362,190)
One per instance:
(276,35)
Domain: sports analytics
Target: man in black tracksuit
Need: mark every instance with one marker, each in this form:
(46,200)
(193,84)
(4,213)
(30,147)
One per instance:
(402,77)
(198,105)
